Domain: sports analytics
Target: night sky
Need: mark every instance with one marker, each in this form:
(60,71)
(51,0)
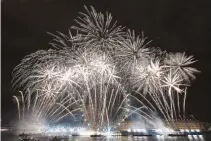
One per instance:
(173,25)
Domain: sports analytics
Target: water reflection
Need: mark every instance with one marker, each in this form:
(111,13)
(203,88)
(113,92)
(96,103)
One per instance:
(118,138)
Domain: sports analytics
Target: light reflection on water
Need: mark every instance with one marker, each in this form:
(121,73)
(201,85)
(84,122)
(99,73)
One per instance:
(6,137)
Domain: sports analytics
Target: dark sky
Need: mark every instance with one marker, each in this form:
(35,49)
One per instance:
(174,25)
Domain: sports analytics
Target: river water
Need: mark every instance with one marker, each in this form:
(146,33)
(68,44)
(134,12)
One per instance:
(9,137)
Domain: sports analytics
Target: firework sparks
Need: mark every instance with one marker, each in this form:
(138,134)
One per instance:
(95,73)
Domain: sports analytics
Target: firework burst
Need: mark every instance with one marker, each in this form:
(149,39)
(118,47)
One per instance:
(98,30)
(180,63)
(96,72)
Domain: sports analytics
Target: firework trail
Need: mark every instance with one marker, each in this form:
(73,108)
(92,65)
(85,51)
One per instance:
(101,72)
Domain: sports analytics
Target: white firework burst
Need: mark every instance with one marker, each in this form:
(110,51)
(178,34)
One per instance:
(133,50)
(95,73)
(180,63)
(98,30)
(148,78)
